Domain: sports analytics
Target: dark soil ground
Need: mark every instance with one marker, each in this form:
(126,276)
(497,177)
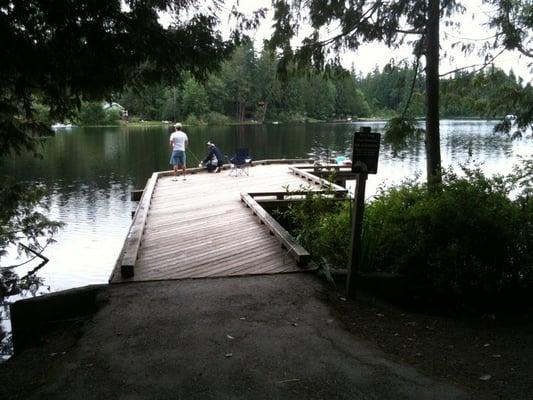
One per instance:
(489,354)
(296,332)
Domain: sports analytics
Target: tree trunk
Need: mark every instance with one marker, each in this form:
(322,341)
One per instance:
(264,112)
(434,173)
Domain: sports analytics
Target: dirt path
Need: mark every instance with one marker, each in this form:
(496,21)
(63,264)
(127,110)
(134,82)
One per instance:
(267,337)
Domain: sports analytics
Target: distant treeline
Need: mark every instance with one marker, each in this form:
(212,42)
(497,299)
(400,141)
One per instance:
(248,88)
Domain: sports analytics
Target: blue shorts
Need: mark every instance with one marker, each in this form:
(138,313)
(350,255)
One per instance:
(177,157)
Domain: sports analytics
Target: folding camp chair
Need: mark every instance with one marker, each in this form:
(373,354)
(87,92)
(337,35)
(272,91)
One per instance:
(240,163)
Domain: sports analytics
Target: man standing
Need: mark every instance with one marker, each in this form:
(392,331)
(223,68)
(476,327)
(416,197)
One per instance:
(178,142)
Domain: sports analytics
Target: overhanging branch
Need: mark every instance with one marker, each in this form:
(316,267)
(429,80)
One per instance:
(481,65)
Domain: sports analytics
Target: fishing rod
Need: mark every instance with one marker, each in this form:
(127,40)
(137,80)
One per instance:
(194,155)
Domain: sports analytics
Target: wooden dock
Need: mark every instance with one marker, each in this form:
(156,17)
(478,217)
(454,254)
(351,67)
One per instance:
(213,225)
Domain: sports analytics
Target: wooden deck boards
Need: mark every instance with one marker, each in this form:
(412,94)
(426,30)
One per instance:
(201,228)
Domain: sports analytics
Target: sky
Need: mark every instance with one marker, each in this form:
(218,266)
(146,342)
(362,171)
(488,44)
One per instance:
(472,28)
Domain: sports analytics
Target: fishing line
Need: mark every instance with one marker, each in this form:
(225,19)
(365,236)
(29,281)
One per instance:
(194,155)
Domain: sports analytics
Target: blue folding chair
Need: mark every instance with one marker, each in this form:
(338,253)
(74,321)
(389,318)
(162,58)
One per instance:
(240,163)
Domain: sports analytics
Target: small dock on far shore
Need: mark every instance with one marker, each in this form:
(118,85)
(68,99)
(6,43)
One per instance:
(214,224)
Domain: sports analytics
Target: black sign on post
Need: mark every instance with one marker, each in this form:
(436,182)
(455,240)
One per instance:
(365,151)
(364,162)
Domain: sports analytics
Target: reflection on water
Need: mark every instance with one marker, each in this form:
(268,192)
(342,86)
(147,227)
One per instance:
(89,173)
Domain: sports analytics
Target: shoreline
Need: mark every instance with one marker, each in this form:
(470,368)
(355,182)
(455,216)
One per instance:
(250,123)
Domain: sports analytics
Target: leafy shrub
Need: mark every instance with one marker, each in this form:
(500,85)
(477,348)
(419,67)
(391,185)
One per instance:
(42,113)
(215,118)
(193,120)
(112,116)
(401,133)
(467,239)
(322,226)
(22,228)
(94,114)
(289,117)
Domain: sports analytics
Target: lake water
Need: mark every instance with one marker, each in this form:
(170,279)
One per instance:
(89,173)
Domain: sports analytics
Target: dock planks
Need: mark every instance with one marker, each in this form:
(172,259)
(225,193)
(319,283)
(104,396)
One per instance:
(201,228)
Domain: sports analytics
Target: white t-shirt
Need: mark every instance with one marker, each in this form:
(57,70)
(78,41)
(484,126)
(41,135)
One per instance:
(178,139)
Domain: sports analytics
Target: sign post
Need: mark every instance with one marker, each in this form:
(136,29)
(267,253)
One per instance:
(364,162)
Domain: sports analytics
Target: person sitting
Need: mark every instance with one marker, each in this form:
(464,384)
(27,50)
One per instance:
(214,159)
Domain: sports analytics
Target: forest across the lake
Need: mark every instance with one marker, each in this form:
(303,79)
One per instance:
(248,88)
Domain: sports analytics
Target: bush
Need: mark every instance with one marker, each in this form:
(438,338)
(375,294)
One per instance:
(322,226)
(288,117)
(112,116)
(193,120)
(466,240)
(215,118)
(94,114)
(42,113)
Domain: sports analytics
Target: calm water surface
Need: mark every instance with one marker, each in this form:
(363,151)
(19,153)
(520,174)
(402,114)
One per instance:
(89,173)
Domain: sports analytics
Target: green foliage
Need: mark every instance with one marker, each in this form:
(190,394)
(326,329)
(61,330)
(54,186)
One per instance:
(101,48)
(319,95)
(171,104)
(214,118)
(112,116)
(289,117)
(94,114)
(238,74)
(248,88)
(217,94)
(388,90)
(194,98)
(21,226)
(513,21)
(42,113)
(401,133)
(149,102)
(491,93)
(467,240)
(322,226)
(350,100)
(360,22)
(193,120)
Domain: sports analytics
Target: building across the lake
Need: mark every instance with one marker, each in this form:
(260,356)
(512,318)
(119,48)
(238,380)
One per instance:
(116,106)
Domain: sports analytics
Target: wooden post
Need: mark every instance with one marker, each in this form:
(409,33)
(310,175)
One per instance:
(357,228)
(364,161)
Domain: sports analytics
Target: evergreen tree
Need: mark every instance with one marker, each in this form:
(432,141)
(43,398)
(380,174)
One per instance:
(172,104)
(320,97)
(217,94)
(194,99)
(350,101)
(365,21)
(267,83)
(237,75)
